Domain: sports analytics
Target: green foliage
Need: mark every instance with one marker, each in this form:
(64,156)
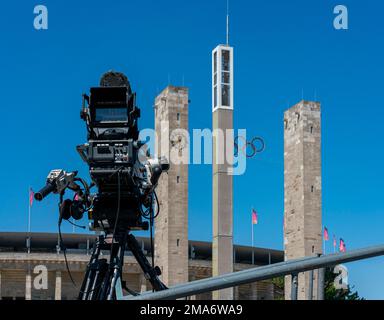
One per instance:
(331,293)
(278,284)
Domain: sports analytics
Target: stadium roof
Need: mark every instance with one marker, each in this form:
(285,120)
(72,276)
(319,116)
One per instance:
(201,250)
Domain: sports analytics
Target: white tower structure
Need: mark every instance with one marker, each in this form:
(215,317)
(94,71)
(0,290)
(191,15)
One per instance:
(222,78)
(222,109)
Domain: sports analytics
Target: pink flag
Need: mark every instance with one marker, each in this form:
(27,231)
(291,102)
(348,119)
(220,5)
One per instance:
(326,234)
(342,247)
(334,242)
(31,194)
(254,217)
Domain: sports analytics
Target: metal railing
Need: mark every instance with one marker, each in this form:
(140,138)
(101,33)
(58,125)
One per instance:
(291,267)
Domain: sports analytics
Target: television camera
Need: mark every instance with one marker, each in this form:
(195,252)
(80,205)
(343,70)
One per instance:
(125,177)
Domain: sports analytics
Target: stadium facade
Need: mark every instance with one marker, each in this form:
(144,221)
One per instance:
(42,273)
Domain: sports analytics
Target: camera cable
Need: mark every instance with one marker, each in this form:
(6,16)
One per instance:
(61,244)
(117,213)
(76,225)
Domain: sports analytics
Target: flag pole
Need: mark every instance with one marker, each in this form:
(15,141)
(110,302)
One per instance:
(334,244)
(29,211)
(324,241)
(253,242)
(29,221)
(253,253)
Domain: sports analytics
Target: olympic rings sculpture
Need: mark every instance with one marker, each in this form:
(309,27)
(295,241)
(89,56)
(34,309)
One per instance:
(249,148)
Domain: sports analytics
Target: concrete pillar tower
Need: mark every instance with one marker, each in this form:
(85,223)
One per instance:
(58,288)
(28,286)
(302,189)
(222,109)
(171,226)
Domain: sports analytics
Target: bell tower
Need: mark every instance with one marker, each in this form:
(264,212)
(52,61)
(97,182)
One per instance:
(222,121)
(302,190)
(171,226)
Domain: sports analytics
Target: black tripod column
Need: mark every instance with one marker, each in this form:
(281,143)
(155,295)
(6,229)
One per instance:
(116,265)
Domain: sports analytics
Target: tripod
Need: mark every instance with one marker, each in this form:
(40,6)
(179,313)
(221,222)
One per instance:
(103,280)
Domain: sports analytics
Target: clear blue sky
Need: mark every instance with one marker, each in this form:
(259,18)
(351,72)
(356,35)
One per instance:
(282,48)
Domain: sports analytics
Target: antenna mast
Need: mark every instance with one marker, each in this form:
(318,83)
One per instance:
(227,22)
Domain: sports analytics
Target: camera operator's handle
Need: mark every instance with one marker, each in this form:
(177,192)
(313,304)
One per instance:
(49,187)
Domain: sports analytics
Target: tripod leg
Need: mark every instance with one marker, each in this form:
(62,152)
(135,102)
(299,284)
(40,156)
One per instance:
(150,273)
(87,287)
(101,267)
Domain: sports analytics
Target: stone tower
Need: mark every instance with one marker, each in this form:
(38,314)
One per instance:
(222,116)
(171,226)
(302,189)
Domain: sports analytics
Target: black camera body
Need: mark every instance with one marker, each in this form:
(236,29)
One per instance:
(119,163)
(112,153)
